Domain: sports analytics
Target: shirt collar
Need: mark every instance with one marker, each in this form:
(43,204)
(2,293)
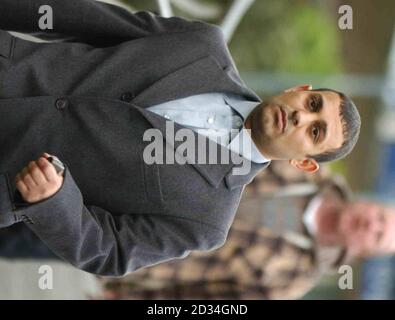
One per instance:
(242,107)
(243,138)
(239,145)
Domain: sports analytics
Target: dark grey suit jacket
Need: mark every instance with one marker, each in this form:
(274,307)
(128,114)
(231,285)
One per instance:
(84,100)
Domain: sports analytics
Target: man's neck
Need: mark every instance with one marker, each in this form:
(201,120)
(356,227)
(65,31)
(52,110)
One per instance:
(248,126)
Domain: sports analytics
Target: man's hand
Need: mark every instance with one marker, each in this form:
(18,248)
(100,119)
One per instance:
(38,180)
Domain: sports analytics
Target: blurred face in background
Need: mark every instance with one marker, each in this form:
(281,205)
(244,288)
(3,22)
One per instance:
(364,228)
(368,229)
(298,123)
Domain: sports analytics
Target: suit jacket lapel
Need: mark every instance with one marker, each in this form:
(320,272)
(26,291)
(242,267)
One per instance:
(201,76)
(234,181)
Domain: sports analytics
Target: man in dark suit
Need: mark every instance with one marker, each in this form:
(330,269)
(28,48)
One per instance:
(91,98)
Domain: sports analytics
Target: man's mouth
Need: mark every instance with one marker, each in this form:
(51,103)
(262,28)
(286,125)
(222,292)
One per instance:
(281,115)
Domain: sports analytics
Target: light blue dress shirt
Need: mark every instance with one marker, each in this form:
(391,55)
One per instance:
(215,115)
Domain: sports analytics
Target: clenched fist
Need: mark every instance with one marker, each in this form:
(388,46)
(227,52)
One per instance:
(38,180)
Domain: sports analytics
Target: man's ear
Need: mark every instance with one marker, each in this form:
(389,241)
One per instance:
(308,165)
(302,87)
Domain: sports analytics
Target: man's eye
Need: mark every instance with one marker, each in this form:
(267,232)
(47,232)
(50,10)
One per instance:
(315,132)
(313,104)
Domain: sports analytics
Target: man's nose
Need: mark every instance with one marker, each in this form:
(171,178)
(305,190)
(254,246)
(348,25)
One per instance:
(303,118)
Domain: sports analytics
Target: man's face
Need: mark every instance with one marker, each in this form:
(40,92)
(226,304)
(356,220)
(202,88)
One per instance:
(297,123)
(367,229)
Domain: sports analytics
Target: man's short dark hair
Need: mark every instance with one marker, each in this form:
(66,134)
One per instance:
(351,122)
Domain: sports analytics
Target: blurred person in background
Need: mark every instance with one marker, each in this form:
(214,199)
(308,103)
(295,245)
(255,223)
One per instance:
(276,249)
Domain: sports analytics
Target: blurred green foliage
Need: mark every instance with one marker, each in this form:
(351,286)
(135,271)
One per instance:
(287,36)
(282,35)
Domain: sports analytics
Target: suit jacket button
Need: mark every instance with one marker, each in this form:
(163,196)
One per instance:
(127,96)
(61,104)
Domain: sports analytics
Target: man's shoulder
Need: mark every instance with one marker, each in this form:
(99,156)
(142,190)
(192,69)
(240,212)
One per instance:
(177,24)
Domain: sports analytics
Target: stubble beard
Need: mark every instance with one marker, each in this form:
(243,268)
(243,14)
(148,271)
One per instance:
(259,124)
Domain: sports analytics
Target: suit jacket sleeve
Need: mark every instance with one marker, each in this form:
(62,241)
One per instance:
(96,241)
(89,21)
